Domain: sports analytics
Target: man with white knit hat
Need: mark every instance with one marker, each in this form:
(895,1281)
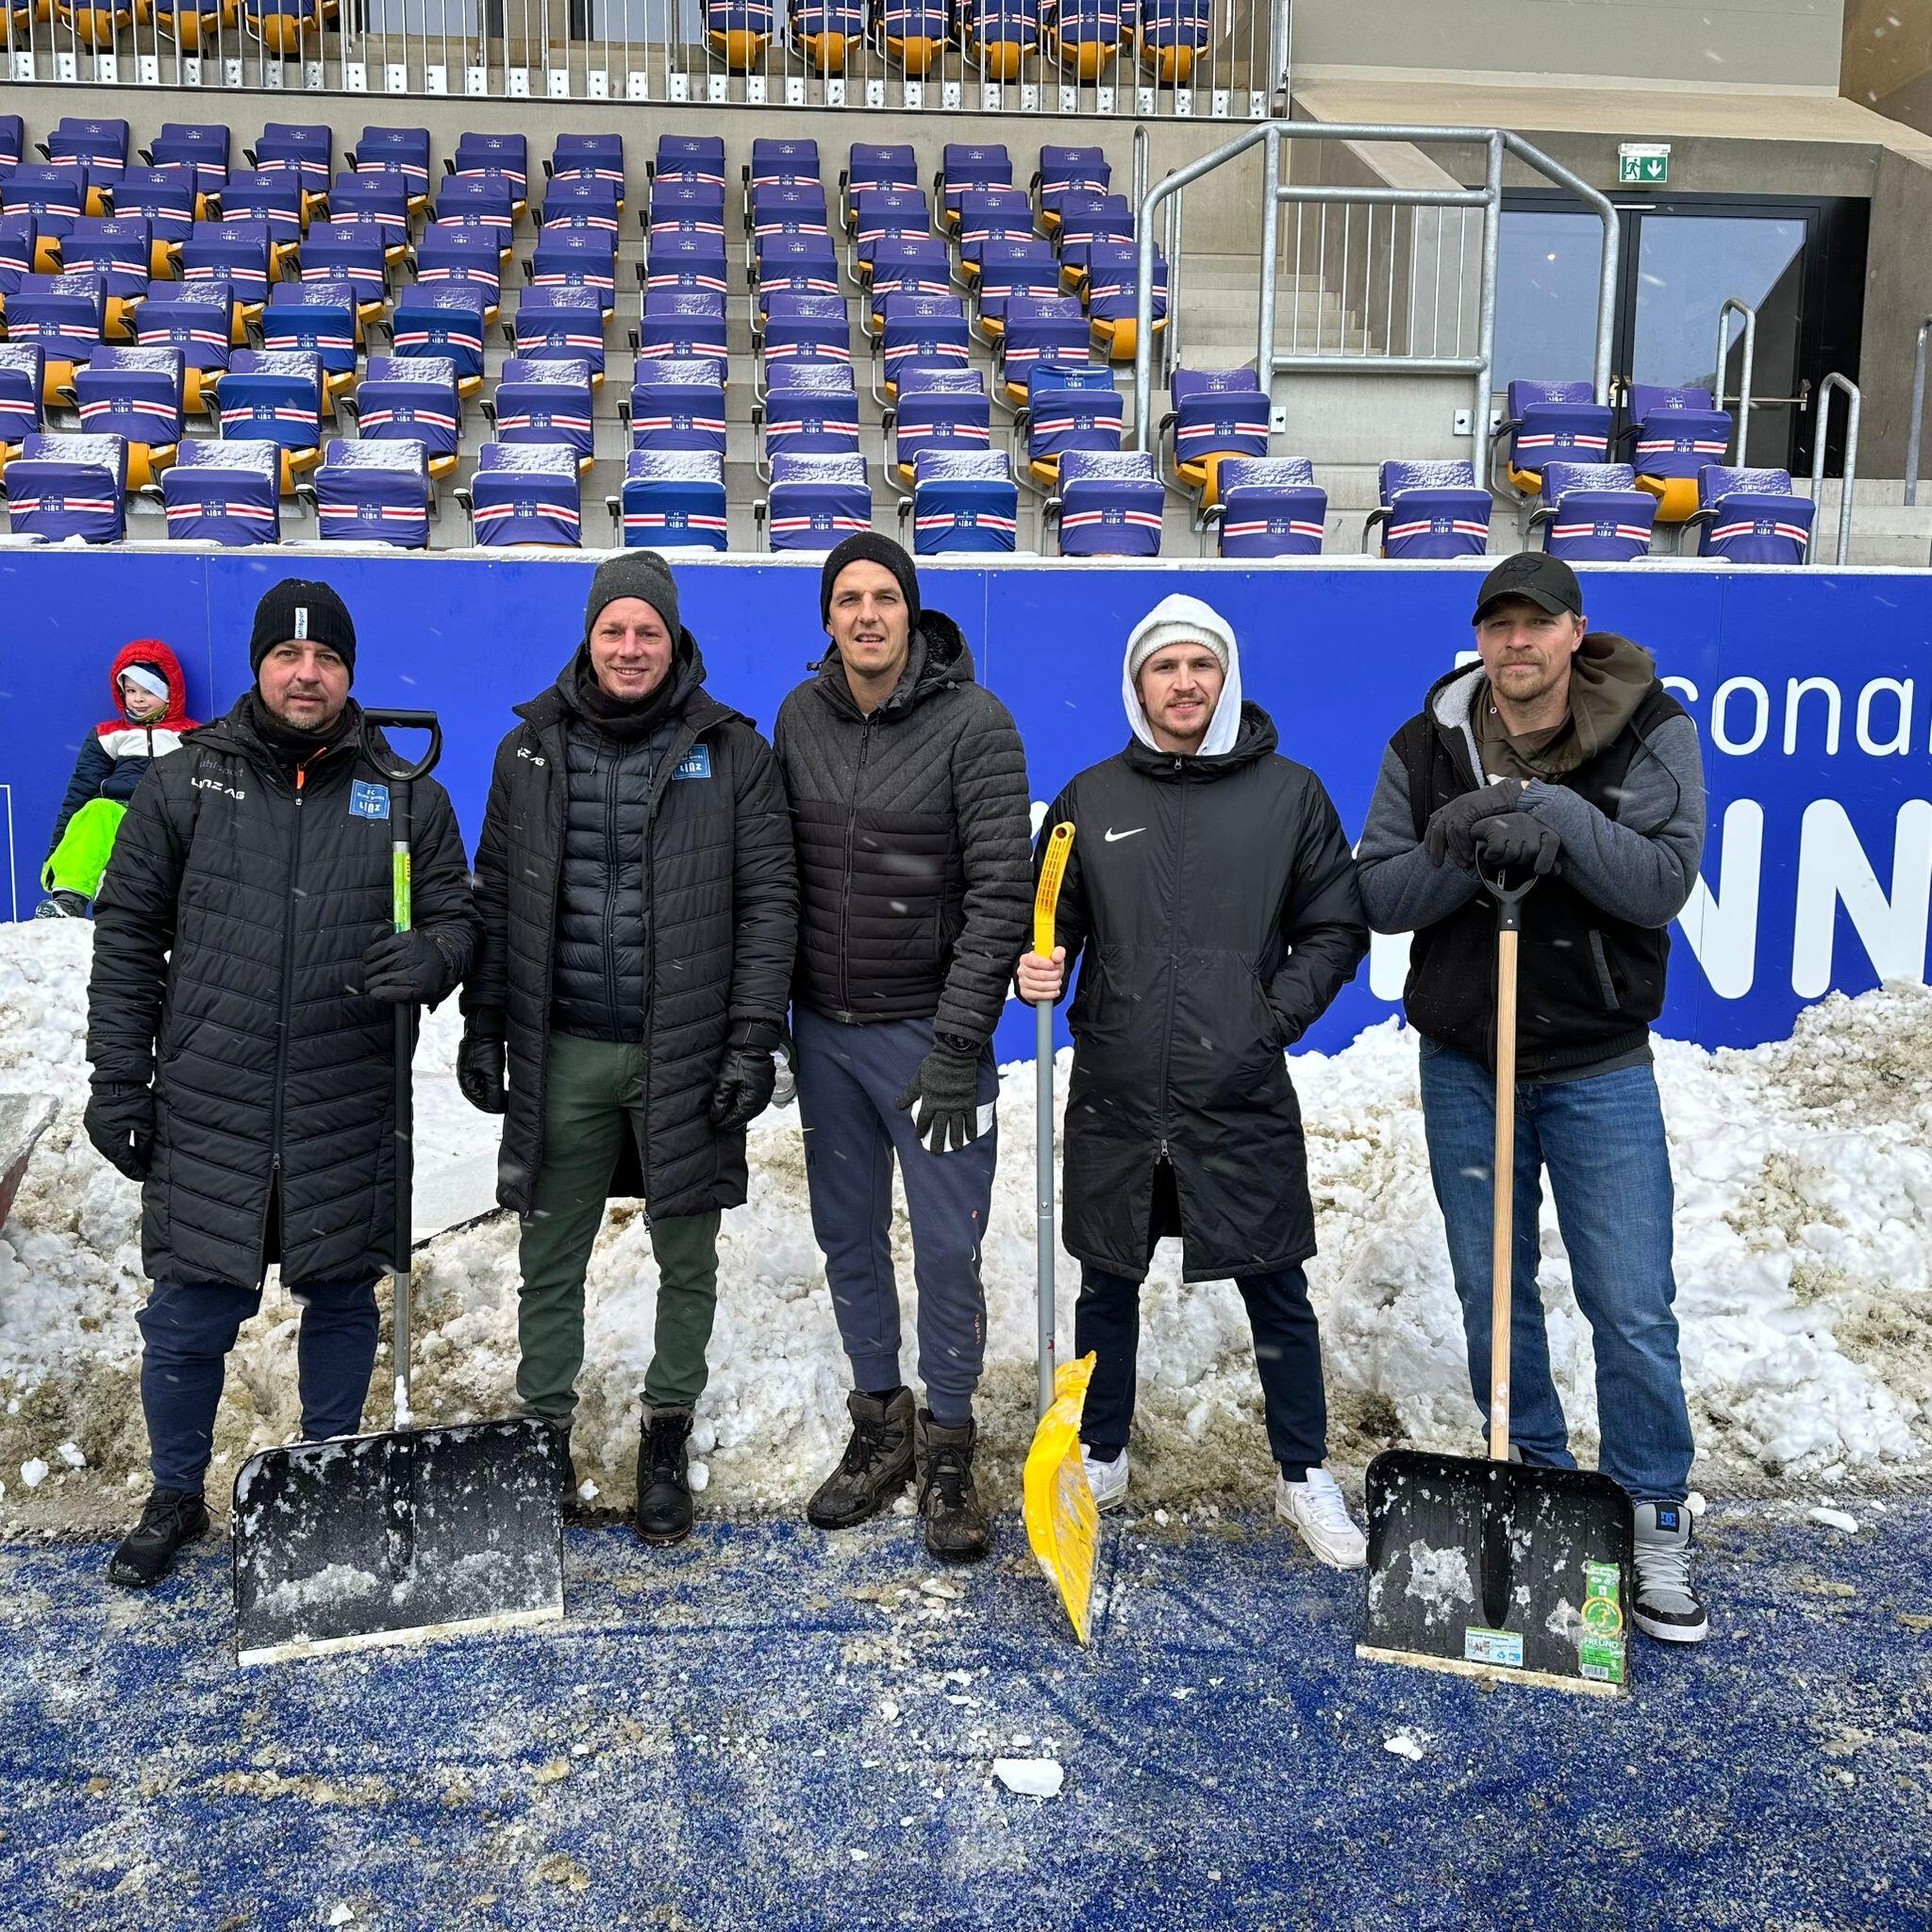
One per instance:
(1211,900)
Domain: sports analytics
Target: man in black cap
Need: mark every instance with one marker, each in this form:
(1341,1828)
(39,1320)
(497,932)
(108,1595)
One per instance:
(908,786)
(240,1027)
(640,913)
(1560,754)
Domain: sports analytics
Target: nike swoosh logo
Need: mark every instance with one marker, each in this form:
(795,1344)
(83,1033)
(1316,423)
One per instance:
(1113,837)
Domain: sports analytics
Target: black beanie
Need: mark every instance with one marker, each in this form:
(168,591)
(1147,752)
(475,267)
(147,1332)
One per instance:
(634,574)
(867,546)
(296,608)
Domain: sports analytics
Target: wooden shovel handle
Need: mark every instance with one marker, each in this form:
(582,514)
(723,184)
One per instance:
(1502,1212)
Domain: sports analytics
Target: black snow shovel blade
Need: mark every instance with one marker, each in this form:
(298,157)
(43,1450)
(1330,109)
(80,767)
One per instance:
(414,1533)
(1494,1569)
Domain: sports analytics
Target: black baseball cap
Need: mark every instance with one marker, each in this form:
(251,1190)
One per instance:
(1546,581)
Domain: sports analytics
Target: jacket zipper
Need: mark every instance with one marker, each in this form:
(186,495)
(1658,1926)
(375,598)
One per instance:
(281,1075)
(1173,955)
(846,898)
(612,862)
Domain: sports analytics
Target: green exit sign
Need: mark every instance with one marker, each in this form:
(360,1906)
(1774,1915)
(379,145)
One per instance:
(1643,164)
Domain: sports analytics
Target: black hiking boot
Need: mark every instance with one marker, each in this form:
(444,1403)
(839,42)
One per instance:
(663,1484)
(956,1530)
(877,1465)
(171,1518)
(569,1503)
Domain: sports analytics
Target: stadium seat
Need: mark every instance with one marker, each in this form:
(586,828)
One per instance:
(674,500)
(1217,413)
(450,253)
(998,35)
(373,493)
(739,31)
(51,199)
(504,158)
(796,264)
(1088,220)
(886,214)
(525,492)
(192,25)
(1170,35)
(99,147)
(963,501)
(322,316)
(275,396)
(239,253)
(688,263)
(200,319)
(576,259)
(1065,171)
(871,164)
(1268,507)
(63,315)
(1083,38)
(822,30)
(1430,509)
(561,325)
(1012,268)
(676,403)
(483,199)
(351,251)
(938,408)
(789,207)
(137,395)
(380,199)
(1069,409)
(676,321)
(164,198)
(1113,271)
(812,408)
(224,492)
(815,501)
(1593,512)
(685,208)
(1553,422)
(583,201)
(599,155)
(690,157)
(306,148)
(411,399)
(919,332)
(402,151)
(22,410)
(990,214)
(916,32)
(16,254)
(1108,504)
(1039,328)
(59,487)
(444,321)
(1674,434)
(1751,516)
(119,249)
(200,148)
(274,198)
(93,26)
(290,28)
(963,166)
(802,328)
(12,142)
(544,402)
(908,265)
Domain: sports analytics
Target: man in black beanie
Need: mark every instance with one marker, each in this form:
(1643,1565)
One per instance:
(239,1023)
(908,786)
(638,908)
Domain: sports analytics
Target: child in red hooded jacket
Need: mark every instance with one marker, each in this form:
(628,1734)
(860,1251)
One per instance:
(153,696)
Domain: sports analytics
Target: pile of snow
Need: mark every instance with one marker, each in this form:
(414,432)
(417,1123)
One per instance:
(1804,1226)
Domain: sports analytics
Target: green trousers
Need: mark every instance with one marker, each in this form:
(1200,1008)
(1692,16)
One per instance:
(595,1096)
(87,840)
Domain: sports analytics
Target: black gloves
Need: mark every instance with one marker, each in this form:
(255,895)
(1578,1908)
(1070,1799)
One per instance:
(1514,841)
(1450,832)
(405,968)
(120,1121)
(481,1061)
(746,1077)
(946,1090)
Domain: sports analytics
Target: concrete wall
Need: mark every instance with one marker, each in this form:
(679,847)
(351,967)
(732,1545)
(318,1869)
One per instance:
(1888,58)
(1898,297)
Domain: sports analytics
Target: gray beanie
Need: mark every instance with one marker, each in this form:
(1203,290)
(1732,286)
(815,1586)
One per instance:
(634,574)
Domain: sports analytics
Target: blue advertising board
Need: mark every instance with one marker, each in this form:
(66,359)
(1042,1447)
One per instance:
(1811,690)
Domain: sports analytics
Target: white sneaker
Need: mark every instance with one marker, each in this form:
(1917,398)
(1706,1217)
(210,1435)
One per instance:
(1315,1507)
(1108,1480)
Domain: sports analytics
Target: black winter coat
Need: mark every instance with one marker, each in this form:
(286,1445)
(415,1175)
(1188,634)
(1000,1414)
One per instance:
(912,827)
(228,942)
(721,909)
(1212,904)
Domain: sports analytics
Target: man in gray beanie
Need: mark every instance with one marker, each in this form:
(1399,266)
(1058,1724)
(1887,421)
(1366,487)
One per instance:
(639,912)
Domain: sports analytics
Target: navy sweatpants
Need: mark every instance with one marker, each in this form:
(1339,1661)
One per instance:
(187,1330)
(850,1078)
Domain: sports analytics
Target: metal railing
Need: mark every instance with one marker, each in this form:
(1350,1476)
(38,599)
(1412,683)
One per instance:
(1211,59)
(1848,481)
(1732,306)
(1398,271)
(1916,427)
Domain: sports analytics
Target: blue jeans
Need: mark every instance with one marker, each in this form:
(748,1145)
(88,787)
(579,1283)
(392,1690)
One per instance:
(1602,1139)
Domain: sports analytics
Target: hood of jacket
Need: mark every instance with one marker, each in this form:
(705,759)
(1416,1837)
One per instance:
(1224,727)
(1608,679)
(234,731)
(148,651)
(938,659)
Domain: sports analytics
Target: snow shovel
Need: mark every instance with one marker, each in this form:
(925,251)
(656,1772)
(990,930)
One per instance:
(410,1533)
(1490,1568)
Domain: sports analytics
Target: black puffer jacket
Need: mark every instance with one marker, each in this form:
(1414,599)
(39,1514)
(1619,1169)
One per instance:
(912,841)
(720,906)
(228,939)
(1212,905)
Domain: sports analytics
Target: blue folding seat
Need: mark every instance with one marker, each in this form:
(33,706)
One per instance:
(675,499)
(451,254)
(22,408)
(99,147)
(137,395)
(1089,221)
(200,147)
(1270,507)
(1593,512)
(910,265)
(485,200)
(922,332)
(1013,268)
(306,148)
(964,166)
(199,319)
(1083,37)
(402,151)
(816,501)
(582,201)
(239,253)
(1039,328)
(119,249)
(164,198)
(271,196)
(804,328)
(822,30)
(676,403)
(1430,509)
(690,157)
(964,500)
(1113,271)
(351,251)
(1171,34)
(883,214)
(544,402)
(1751,516)
(874,164)
(1217,413)
(63,316)
(677,322)
(938,408)
(322,316)
(576,259)
(525,492)
(916,32)
(16,254)
(1553,422)
(782,160)
(382,199)
(1065,171)
(739,31)
(687,264)
(59,487)
(812,408)
(599,155)
(290,29)
(685,208)
(1108,504)
(275,396)
(444,321)
(797,264)
(12,142)
(503,157)
(561,325)
(51,199)
(1676,434)
(224,492)
(990,214)
(413,399)
(373,493)
(999,34)
(1069,409)
(792,208)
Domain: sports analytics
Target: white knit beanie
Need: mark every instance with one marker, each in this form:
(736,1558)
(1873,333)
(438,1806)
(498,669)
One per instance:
(1172,630)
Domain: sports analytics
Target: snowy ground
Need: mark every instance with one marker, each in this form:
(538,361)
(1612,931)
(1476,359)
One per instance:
(1804,1229)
